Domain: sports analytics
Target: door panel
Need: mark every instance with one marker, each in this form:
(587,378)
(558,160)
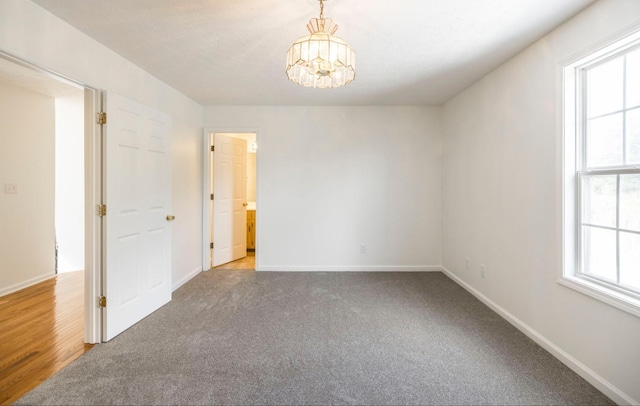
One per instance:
(230,192)
(222,203)
(138,198)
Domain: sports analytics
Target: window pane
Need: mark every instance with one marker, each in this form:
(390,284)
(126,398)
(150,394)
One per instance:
(633,79)
(630,202)
(604,88)
(604,141)
(599,202)
(599,252)
(633,136)
(630,260)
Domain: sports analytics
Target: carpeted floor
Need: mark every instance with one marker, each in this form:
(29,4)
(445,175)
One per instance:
(241,337)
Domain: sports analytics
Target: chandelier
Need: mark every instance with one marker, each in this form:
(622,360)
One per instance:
(320,59)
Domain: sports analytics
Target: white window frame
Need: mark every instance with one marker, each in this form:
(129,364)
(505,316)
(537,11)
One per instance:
(573,154)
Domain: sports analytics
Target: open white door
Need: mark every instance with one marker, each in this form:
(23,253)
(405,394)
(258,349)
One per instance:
(239,176)
(230,199)
(137,168)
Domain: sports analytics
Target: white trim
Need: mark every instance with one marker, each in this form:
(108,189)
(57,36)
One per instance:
(351,268)
(578,367)
(186,279)
(92,223)
(25,284)
(206,218)
(599,292)
(605,45)
(571,155)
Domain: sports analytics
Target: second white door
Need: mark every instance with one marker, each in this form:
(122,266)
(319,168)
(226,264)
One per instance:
(230,199)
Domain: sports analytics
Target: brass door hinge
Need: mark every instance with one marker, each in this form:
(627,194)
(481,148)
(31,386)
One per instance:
(101,117)
(102,301)
(211,245)
(211,196)
(213,148)
(102,210)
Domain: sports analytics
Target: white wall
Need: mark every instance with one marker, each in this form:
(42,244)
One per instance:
(500,204)
(69,182)
(31,33)
(333,178)
(27,237)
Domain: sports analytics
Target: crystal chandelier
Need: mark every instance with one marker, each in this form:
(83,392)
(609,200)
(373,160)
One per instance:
(320,59)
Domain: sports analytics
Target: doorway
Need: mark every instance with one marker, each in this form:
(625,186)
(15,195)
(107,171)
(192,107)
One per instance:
(42,114)
(230,190)
(100,170)
(31,177)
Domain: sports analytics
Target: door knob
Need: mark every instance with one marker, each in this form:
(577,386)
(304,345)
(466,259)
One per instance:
(245,204)
(170,217)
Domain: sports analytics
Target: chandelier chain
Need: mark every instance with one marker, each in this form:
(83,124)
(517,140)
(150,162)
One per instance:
(321,9)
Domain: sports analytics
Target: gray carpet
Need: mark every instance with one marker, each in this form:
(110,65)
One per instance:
(240,337)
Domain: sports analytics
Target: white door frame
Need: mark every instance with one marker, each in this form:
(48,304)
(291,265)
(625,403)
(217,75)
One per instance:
(93,196)
(93,189)
(206,198)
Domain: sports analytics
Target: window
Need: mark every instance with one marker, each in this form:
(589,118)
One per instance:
(602,174)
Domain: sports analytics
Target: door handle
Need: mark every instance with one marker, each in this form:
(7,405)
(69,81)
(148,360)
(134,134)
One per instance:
(170,217)
(245,204)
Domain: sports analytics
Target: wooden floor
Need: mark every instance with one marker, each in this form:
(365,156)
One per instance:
(41,331)
(248,262)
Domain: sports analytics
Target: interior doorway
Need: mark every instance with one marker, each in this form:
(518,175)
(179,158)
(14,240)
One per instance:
(230,200)
(31,178)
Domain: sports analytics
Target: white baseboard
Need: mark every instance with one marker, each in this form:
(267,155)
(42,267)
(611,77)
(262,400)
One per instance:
(186,278)
(354,268)
(585,372)
(25,284)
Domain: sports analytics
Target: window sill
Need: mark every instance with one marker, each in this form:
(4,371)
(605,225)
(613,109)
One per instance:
(612,297)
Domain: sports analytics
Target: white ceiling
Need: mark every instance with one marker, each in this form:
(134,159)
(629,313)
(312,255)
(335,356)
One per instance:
(232,52)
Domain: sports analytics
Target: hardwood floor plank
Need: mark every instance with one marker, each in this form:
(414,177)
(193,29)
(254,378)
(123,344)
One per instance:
(42,331)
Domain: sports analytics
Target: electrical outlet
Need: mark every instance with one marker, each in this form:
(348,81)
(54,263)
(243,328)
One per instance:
(363,249)
(483,271)
(10,188)
(466,263)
